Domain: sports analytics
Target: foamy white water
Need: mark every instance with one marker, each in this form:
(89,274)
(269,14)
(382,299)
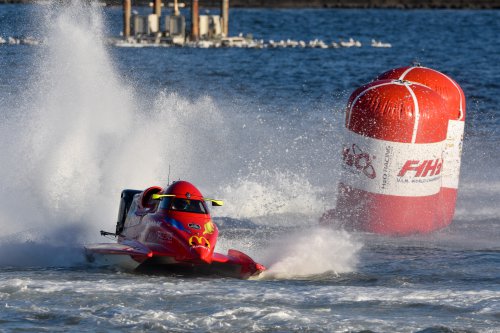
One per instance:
(313,306)
(310,252)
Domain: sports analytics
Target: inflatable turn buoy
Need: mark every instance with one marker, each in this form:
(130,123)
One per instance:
(392,158)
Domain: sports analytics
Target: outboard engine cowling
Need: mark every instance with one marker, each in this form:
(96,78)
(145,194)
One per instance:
(127,197)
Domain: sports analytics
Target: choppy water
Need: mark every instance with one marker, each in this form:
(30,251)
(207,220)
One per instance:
(257,128)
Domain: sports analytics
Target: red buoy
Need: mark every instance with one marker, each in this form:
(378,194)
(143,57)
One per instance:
(454,110)
(392,158)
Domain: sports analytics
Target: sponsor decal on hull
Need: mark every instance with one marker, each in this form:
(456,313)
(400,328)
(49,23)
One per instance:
(196,241)
(194,226)
(209,228)
(164,235)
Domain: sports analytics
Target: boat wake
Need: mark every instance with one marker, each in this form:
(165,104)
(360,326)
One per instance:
(311,252)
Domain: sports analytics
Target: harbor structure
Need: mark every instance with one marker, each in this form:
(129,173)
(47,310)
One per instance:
(157,28)
(171,29)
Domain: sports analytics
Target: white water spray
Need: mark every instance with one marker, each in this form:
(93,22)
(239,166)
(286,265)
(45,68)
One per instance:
(269,193)
(311,252)
(81,135)
(80,138)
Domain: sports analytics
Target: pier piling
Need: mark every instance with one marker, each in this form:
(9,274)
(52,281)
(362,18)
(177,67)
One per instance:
(195,18)
(157,8)
(225,17)
(127,9)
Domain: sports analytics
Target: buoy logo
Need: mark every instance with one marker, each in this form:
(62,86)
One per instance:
(362,161)
(422,168)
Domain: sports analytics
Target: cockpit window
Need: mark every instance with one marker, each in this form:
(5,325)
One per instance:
(165,203)
(185,205)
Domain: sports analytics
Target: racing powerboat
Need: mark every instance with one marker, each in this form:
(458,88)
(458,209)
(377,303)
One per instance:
(169,230)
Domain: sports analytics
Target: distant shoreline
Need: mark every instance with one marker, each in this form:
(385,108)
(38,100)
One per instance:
(397,4)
